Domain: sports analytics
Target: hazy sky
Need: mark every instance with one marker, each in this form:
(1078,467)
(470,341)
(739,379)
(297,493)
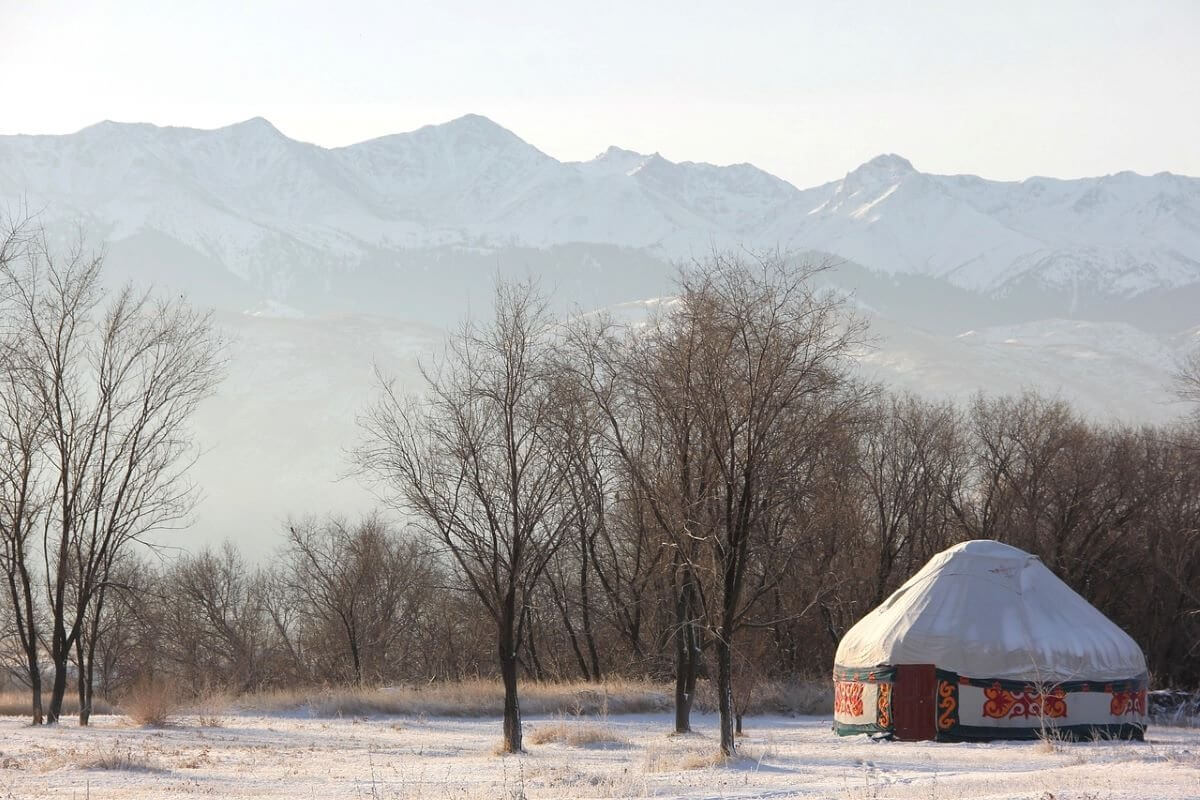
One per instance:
(805,90)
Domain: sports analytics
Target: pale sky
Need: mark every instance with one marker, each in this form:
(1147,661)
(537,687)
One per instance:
(805,90)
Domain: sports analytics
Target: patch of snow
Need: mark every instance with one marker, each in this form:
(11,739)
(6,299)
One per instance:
(253,756)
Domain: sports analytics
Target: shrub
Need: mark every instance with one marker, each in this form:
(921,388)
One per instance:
(150,702)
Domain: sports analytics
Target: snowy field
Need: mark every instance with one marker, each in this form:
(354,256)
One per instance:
(288,756)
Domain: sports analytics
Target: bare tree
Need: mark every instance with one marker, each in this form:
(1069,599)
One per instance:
(719,410)
(215,620)
(357,588)
(642,382)
(906,461)
(772,386)
(473,463)
(117,386)
(23,494)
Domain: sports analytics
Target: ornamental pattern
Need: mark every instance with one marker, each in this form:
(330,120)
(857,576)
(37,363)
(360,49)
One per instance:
(848,698)
(883,705)
(1130,702)
(948,703)
(1004,704)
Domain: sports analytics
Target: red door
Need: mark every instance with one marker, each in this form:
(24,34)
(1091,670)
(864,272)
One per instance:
(914,702)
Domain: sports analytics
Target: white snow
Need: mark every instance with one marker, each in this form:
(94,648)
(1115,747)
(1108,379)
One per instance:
(263,204)
(249,221)
(295,757)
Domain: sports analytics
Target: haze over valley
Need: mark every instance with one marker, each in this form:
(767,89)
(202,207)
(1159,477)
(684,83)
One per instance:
(323,262)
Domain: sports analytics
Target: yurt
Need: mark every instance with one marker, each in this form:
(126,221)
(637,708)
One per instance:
(984,643)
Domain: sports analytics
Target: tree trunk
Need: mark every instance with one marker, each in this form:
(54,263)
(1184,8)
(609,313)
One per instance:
(724,651)
(586,613)
(351,630)
(565,612)
(81,683)
(87,681)
(508,671)
(20,588)
(739,724)
(687,652)
(58,689)
(35,685)
(535,663)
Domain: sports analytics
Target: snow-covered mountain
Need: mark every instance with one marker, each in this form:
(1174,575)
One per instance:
(323,262)
(274,219)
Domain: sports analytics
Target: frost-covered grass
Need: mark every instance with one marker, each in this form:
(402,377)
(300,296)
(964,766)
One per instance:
(574,732)
(390,757)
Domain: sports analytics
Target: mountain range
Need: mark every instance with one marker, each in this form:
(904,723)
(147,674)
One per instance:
(323,260)
(251,215)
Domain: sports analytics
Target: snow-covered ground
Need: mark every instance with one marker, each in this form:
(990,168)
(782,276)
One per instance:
(395,757)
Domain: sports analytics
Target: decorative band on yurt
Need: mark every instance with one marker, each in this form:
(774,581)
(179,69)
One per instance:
(862,700)
(991,708)
(969,708)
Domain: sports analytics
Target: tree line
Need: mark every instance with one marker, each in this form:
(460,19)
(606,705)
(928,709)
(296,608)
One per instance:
(707,494)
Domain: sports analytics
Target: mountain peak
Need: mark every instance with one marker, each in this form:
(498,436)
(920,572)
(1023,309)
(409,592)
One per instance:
(475,125)
(618,152)
(256,126)
(880,172)
(472,131)
(109,127)
(473,119)
(888,162)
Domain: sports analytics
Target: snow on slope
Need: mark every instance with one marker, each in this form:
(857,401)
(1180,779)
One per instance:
(970,277)
(1109,371)
(278,212)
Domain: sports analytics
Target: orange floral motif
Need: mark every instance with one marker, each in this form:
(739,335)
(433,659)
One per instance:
(848,698)
(948,703)
(1003,704)
(1130,702)
(883,704)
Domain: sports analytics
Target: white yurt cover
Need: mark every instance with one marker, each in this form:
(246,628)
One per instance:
(987,609)
(995,622)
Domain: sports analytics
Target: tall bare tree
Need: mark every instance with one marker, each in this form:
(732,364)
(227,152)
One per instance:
(719,409)
(117,383)
(772,388)
(642,381)
(473,462)
(23,491)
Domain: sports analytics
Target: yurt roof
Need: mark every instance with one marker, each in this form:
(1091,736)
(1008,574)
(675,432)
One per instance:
(988,610)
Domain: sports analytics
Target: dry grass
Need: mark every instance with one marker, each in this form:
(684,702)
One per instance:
(575,733)
(664,759)
(210,709)
(1050,741)
(154,703)
(776,697)
(472,698)
(19,703)
(485,698)
(151,702)
(118,757)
